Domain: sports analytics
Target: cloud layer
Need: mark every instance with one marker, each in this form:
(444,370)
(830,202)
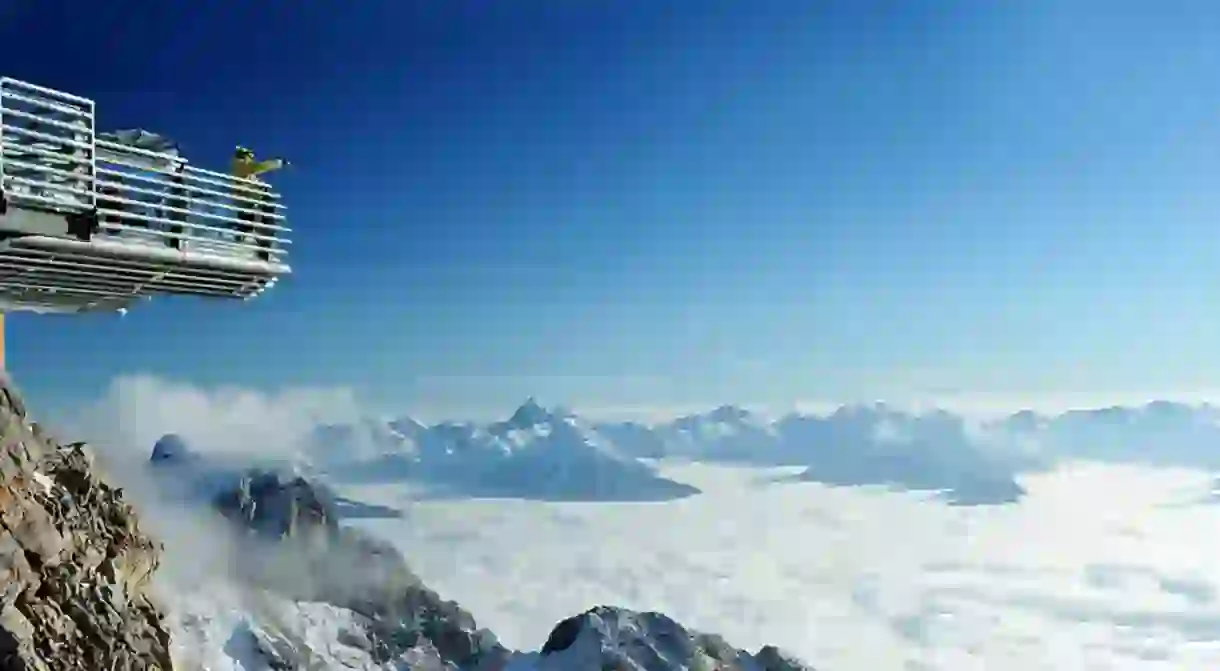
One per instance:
(1099,566)
(856,578)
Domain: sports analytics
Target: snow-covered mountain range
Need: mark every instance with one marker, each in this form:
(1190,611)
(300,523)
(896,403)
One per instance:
(536,453)
(553,454)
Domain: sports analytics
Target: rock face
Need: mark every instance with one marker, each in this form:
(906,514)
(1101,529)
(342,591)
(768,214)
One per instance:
(278,507)
(295,547)
(74,563)
(616,639)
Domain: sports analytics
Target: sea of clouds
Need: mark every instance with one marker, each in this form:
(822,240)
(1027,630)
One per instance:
(1100,566)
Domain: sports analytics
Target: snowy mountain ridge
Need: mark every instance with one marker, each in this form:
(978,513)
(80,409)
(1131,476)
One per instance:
(540,452)
(535,453)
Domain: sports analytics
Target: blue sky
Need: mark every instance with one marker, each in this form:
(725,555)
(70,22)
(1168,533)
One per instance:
(633,202)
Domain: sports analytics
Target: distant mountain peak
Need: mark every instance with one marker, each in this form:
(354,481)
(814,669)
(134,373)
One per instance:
(728,413)
(408,427)
(530,413)
(172,448)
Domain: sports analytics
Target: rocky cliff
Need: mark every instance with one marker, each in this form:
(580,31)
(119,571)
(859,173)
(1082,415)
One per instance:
(294,547)
(74,564)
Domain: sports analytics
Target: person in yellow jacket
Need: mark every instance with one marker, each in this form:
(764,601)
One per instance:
(246,166)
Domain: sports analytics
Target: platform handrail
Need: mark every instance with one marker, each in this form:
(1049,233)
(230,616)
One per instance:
(119,201)
(46,121)
(118,148)
(271,195)
(121,186)
(112,150)
(43,102)
(51,186)
(148,193)
(228,181)
(162,176)
(65,174)
(38,122)
(6,82)
(266,231)
(188,233)
(55,139)
(27,150)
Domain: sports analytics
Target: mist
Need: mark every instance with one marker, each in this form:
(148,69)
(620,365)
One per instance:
(224,422)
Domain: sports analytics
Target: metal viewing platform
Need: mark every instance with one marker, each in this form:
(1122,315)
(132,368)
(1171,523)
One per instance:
(93,221)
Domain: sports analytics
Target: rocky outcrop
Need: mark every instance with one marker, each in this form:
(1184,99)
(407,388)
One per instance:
(267,503)
(616,639)
(172,450)
(295,547)
(74,564)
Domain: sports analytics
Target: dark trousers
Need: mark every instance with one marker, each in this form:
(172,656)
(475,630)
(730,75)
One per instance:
(264,207)
(109,221)
(176,200)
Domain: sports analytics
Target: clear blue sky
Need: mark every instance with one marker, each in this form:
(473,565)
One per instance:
(632,201)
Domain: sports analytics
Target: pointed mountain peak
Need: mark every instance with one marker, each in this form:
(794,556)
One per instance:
(529,414)
(407,426)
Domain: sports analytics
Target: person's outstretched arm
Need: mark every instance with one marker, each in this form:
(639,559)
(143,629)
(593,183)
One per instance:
(251,168)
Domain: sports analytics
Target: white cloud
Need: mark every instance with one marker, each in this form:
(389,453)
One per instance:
(1074,577)
(137,410)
